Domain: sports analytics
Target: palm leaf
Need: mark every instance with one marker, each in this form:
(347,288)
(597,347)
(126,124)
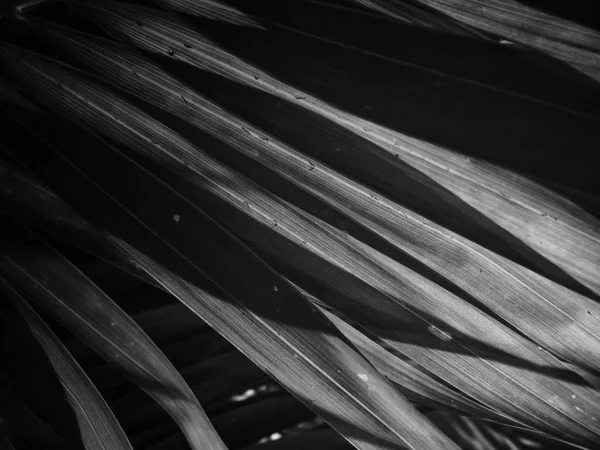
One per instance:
(501,199)
(482,275)
(567,40)
(271,169)
(289,353)
(99,428)
(51,281)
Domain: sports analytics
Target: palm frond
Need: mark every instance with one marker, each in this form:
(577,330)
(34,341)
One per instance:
(357,203)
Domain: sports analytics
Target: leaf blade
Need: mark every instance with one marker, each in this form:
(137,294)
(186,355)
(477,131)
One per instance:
(99,427)
(65,292)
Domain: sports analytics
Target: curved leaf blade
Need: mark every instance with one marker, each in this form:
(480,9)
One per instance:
(312,359)
(61,289)
(575,44)
(561,320)
(100,430)
(537,223)
(493,381)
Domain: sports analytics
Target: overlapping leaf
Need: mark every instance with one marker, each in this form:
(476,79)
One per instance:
(65,292)
(405,12)
(212,9)
(29,197)
(444,334)
(99,427)
(529,216)
(214,381)
(269,321)
(462,337)
(560,319)
(574,43)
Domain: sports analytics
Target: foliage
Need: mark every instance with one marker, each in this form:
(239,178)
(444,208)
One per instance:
(303,224)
